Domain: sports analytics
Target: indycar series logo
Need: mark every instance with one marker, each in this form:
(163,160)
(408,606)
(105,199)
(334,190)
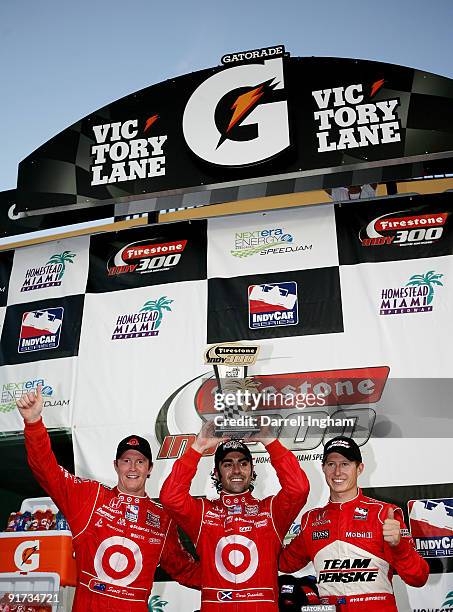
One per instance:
(48,275)
(144,323)
(272,305)
(431,525)
(40,329)
(403,230)
(416,296)
(349,118)
(146,257)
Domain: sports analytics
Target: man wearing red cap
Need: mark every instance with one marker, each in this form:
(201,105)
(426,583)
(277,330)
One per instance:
(237,536)
(355,543)
(119,534)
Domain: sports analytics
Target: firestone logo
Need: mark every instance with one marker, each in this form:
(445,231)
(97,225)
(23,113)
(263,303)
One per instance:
(50,274)
(347,119)
(146,257)
(144,323)
(351,392)
(403,230)
(243,117)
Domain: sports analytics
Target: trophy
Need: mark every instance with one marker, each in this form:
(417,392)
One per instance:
(231,361)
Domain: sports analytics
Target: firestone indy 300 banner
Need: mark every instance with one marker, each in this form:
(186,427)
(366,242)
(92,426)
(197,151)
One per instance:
(259,116)
(350,303)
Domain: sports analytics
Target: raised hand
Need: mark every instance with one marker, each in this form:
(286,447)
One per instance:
(30,405)
(207,439)
(265,435)
(391,529)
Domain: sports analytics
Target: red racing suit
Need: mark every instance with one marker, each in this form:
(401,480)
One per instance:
(118,539)
(353,563)
(237,537)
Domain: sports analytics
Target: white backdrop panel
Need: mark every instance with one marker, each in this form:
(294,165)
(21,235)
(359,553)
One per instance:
(291,239)
(49,270)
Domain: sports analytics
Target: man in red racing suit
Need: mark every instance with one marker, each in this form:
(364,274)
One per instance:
(119,537)
(356,544)
(237,537)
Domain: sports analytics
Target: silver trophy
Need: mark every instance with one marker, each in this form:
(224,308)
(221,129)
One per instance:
(236,419)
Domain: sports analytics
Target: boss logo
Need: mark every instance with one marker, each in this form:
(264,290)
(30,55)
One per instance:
(320,535)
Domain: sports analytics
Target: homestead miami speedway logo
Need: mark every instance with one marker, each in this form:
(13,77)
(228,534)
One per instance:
(146,256)
(48,275)
(144,323)
(416,295)
(244,114)
(40,329)
(404,228)
(348,394)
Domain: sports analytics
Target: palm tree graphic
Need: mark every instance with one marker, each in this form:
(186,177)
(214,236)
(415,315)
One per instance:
(156,604)
(429,279)
(449,601)
(63,259)
(163,303)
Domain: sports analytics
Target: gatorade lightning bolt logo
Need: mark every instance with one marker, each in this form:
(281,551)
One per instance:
(242,107)
(26,556)
(376,87)
(27,553)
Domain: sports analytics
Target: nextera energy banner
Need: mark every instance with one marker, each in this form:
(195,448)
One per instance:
(260,116)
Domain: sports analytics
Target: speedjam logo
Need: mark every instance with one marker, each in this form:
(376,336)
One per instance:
(416,296)
(244,114)
(271,241)
(40,329)
(349,394)
(348,119)
(273,305)
(122,153)
(402,229)
(431,525)
(50,274)
(144,323)
(10,392)
(146,256)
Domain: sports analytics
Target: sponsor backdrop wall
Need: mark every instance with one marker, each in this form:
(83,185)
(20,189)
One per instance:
(348,299)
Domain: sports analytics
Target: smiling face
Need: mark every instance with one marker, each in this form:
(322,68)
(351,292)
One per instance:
(235,472)
(341,476)
(133,469)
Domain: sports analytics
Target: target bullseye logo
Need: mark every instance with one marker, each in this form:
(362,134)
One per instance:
(118,560)
(236,558)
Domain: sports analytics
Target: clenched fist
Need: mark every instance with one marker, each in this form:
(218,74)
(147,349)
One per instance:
(30,405)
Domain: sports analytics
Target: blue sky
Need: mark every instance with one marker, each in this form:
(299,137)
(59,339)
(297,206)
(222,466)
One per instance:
(61,60)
